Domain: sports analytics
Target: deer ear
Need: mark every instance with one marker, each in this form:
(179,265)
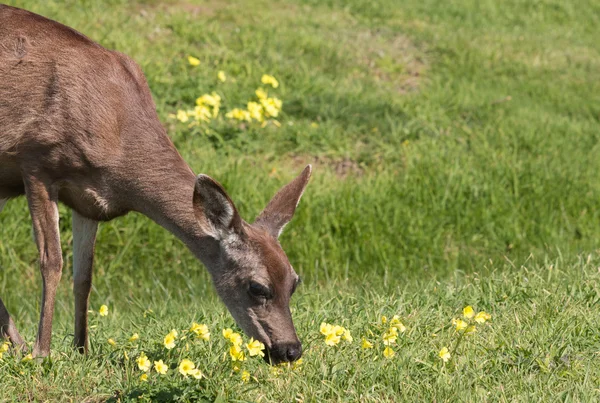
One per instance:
(214,210)
(282,206)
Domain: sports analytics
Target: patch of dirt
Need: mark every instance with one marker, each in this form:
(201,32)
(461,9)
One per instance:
(341,167)
(391,58)
(206,9)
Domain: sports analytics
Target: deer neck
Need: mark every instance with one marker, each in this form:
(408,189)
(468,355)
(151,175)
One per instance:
(164,191)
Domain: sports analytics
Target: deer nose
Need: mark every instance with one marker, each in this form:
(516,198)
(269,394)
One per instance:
(294,352)
(284,353)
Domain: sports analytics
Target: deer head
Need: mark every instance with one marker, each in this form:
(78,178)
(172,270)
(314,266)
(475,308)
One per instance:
(250,270)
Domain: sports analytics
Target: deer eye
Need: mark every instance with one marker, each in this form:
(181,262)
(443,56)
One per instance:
(259,291)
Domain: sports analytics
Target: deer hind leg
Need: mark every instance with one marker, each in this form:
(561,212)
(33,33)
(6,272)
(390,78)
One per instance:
(7,326)
(84,239)
(43,206)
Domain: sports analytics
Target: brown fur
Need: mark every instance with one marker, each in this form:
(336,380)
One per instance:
(78,125)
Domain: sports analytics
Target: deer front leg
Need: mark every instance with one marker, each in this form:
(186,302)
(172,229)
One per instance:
(84,239)
(43,206)
(7,326)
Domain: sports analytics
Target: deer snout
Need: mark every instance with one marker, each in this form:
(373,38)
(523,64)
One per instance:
(285,352)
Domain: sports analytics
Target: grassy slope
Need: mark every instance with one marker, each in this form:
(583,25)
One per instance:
(472,128)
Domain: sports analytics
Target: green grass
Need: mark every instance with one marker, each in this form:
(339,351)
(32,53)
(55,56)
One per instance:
(455,152)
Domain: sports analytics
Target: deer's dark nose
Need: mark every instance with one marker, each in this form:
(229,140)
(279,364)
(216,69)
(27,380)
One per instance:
(294,352)
(287,352)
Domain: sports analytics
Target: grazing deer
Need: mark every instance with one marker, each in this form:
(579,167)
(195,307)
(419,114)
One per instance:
(78,125)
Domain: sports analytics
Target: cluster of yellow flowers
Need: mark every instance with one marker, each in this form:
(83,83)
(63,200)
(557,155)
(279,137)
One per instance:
(260,109)
(391,334)
(187,367)
(463,327)
(254,347)
(334,333)
(207,108)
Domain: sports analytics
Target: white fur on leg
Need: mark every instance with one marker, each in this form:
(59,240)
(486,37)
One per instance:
(84,238)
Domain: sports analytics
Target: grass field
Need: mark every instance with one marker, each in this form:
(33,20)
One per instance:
(455,149)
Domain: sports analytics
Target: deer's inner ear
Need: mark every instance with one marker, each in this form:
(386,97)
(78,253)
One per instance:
(214,209)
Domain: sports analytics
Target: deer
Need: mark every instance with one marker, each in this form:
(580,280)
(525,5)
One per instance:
(78,126)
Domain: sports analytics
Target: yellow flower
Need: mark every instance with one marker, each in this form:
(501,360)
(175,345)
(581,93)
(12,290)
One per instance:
(383,319)
(366,344)
(245,376)
(326,329)
(196,373)
(126,356)
(271,106)
(4,347)
(459,324)
(103,310)
(395,322)
(238,114)
(221,76)
(334,333)
(144,377)
(134,337)
(182,116)
(201,331)
(388,352)
(227,333)
(444,354)
(274,371)
(144,363)
(236,353)
(28,357)
(193,61)
(256,111)
(470,329)
(111,342)
(260,93)
(185,366)
(200,112)
(169,341)
(314,125)
(255,347)
(212,99)
(235,339)
(297,364)
(332,339)
(268,79)
(338,330)
(160,367)
(482,316)
(468,312)
(390,336)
